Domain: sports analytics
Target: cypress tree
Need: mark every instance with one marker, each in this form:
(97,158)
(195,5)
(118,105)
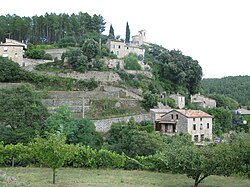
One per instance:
(127,34)
(111,32)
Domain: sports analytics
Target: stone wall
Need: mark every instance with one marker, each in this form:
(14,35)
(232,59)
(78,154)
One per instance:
(56,53)
(10,85)
(106,76)
(105,124)
(34,62)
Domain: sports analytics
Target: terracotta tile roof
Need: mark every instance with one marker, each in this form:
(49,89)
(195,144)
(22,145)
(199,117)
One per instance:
(194,113)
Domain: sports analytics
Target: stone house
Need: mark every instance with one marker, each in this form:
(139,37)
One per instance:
(179,100)
(122,49)
(195,122)
(13,50)
(243,111)
(203,101)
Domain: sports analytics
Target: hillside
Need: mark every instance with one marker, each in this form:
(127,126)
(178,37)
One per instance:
(236,87)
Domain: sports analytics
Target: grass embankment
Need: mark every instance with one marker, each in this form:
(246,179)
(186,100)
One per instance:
(67,177)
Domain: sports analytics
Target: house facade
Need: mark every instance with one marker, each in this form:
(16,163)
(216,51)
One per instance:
(179,100)
(13,50)
(121,49)
(195,122)
(203,101)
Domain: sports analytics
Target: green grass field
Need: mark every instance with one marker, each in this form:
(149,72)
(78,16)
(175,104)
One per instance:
(75,177)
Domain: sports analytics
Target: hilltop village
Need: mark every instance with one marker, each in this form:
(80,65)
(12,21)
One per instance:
(124,103)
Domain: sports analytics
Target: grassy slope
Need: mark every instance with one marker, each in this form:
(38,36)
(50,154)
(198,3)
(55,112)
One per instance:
(67,177)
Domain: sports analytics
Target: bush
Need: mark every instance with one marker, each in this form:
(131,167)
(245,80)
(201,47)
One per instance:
(108,159)
(131,62)
(10,71)
(36,52)
(80,156)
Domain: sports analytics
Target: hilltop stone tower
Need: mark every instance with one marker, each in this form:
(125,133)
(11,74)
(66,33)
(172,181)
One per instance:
(140,38)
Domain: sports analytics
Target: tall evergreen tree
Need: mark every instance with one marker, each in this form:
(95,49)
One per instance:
(127,39)
(111,32)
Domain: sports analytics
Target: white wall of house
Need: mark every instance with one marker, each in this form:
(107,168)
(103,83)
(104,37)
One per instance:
(203,126)
(121,49)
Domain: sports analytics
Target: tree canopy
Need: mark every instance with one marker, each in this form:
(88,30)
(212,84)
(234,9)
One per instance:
(180,70)
(50,28)
(22,115)
(129,139)
(235,87)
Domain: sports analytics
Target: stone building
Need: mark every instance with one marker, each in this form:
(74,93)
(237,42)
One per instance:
(140,38)
(14,50)
(122,49)
(195,122)
(203,101)
(179,100)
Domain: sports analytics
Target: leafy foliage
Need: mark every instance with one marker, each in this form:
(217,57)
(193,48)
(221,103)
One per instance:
(131,62)
(175,67)
(90,48)
(222,120)
(37,53)
(199,163)
(76,59)
(240,144)
(225,102)
(76,131)
(51,152)
(237,88)
(21,115)
(128,139)
(149,100)
(51,28)
(10,71)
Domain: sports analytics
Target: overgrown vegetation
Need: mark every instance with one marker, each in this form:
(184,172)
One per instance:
(12,72)
(36,52)
(237,87)
(107,108)
(131,62)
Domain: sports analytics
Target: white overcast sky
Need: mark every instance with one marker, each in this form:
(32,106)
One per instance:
(214,32)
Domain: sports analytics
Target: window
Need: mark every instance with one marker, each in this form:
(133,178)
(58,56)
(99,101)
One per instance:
(201,127)
(127,48)
(207,125)
(177,116)
(119,47)
(113,46)
(5,49)
(193,119)
(172,116)
(196,137)
(202,137)
(200,119)
(194,127)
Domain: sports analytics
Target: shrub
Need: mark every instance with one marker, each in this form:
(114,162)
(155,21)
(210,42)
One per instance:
(131,62)
(81,156)
(108,159)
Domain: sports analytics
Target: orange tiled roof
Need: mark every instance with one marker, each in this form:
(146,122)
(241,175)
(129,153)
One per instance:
(194,113)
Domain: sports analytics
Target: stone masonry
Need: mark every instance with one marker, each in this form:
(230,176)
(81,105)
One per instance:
(105,124)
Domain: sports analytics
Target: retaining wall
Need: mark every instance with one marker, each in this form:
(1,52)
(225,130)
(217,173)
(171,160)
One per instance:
(105,124)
